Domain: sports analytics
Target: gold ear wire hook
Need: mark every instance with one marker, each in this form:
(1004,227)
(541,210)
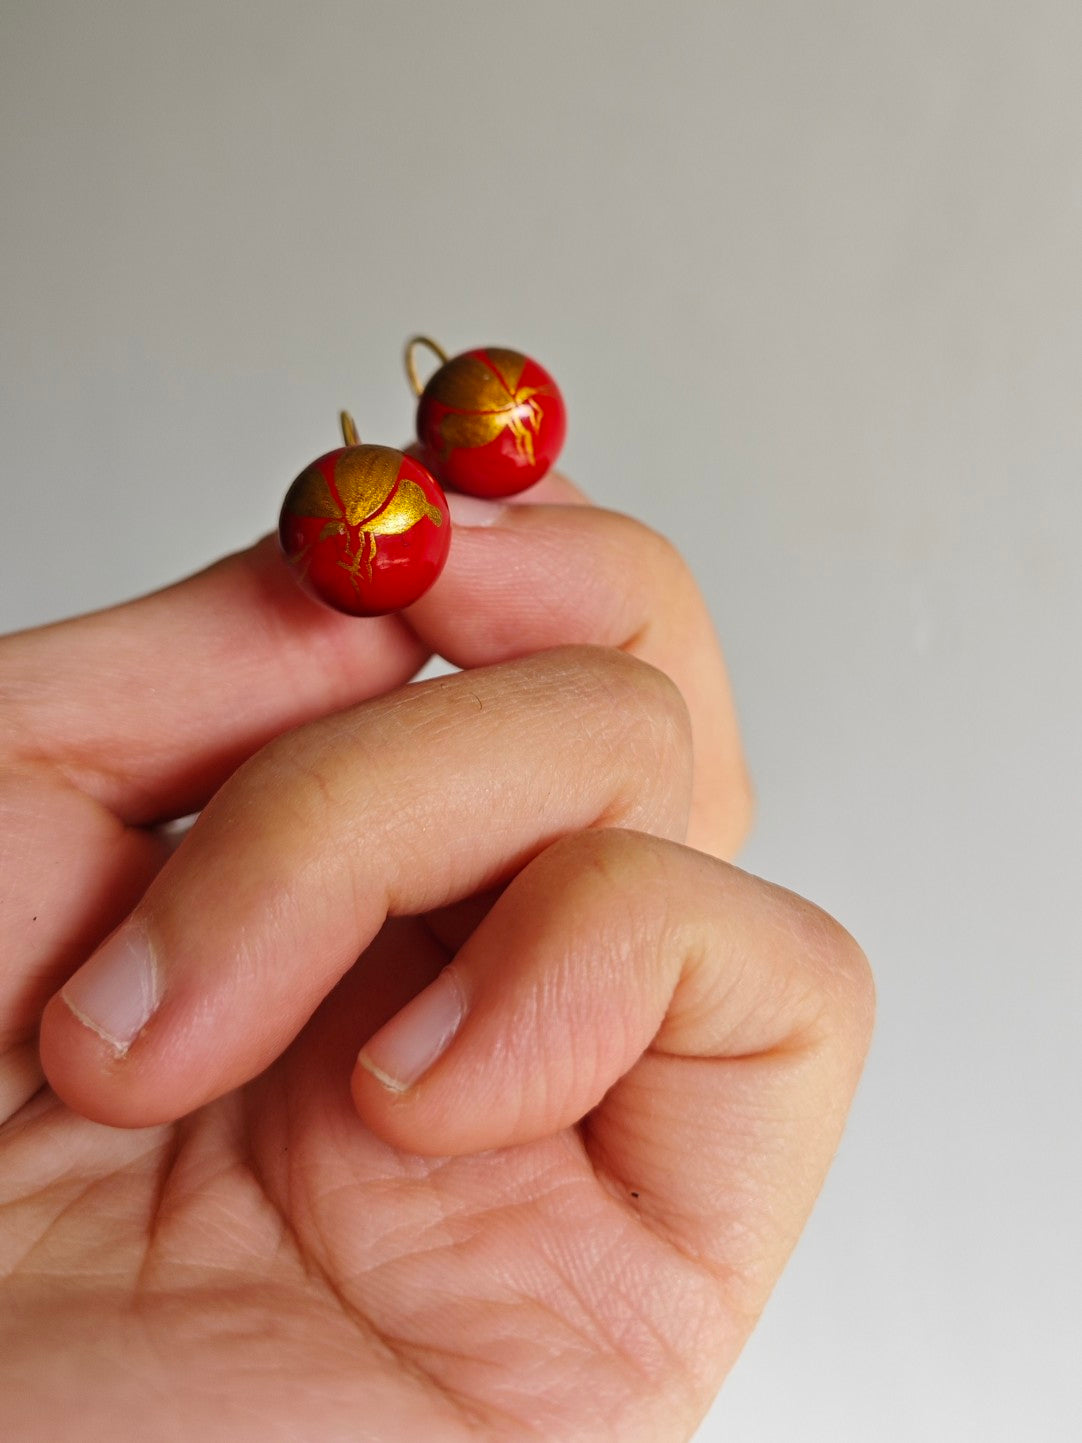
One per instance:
(349,429)
(411,365)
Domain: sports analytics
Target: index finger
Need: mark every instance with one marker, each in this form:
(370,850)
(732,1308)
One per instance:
(150,705)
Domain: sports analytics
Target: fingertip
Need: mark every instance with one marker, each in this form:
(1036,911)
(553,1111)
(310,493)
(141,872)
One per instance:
(88,1072)
(395,1114)
(393,1065)
(415,1038)
(102,1050)
(118,990)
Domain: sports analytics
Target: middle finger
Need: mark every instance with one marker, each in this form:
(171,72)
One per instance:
(525,577)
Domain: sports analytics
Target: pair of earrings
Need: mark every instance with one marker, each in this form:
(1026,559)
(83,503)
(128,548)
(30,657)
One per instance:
(366,528)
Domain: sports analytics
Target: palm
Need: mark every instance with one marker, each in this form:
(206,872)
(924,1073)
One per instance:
(269,1264)
(268,1267)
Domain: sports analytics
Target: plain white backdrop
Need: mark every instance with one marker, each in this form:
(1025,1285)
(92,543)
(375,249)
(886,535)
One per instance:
(810,276)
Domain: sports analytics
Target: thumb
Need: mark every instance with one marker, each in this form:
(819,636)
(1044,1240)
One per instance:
(705,1029)
(608,946)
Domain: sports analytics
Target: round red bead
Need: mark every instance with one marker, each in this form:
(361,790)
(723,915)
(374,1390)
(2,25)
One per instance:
(366,529)
(491,422)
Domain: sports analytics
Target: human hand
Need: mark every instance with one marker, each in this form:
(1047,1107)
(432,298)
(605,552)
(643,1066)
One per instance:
(567,1226)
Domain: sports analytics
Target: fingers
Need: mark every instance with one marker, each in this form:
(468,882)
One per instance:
(717,1025)
(151,705)
(403,805)
(525,577)
(69,872)
(148,707)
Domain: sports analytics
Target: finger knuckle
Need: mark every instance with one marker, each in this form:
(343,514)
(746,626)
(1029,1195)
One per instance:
(656,554)
(614,855)
(634,713)
(669,561)
(650,709)
(294,774)
(842,973)
(635,692)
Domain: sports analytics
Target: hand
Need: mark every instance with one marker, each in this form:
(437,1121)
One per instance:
(219,1223)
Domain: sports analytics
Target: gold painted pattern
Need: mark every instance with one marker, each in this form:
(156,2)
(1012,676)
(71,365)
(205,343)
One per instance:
(364,477)
(407,506)
(484,404)
(311,496)
(373,503)
(510,365)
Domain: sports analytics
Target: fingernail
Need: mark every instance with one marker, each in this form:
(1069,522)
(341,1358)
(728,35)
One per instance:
(410,1043)
(117,992)
(474,510)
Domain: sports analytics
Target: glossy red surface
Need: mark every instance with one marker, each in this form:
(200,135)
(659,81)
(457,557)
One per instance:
(491,422)
(366,529)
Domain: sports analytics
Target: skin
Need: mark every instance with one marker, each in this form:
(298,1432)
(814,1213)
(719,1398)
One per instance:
(566,1227)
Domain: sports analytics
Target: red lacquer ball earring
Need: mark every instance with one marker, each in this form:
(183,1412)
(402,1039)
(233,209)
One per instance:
(490,422)
(365,528)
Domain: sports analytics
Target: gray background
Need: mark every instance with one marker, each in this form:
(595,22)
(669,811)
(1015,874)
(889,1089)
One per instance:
(809,274)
